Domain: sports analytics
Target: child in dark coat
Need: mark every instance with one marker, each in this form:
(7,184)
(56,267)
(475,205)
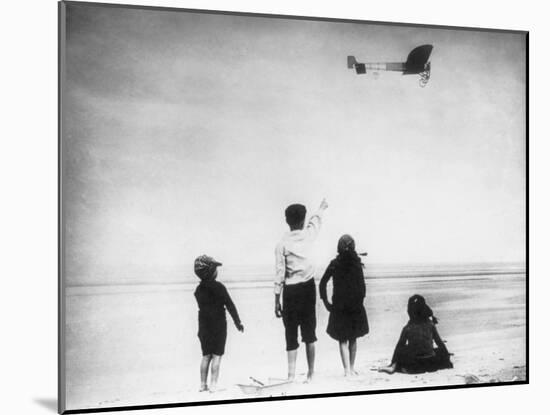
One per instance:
(212,299)
(348,318)
(414,352)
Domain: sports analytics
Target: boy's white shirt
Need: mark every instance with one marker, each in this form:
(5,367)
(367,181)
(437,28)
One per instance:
(293,263)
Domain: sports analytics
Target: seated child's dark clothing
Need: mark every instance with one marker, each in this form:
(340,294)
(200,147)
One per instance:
(348,318)
(212,299)
(407,362)
(415,353)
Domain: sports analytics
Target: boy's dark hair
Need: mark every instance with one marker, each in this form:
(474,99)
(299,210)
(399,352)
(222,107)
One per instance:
(295,214)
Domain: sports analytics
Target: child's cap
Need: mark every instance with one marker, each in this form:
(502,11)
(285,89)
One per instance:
(295,214)
(205,265)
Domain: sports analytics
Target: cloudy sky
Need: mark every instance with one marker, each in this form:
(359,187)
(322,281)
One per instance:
(189,133)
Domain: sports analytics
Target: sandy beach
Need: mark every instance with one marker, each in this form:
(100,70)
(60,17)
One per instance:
(137,344)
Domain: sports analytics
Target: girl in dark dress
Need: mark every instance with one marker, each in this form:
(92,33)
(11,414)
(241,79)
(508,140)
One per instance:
(348,318)
(414,352)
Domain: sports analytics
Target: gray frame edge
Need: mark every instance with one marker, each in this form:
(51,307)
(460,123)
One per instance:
(61,378)
(288,16)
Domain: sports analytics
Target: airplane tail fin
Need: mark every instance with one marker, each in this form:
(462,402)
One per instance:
(351,62)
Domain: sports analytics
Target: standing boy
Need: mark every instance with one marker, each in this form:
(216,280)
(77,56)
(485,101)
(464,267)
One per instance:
(212,299)
(294,272)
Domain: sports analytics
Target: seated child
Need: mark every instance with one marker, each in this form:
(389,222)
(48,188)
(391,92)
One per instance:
(414,352)
(348,318)
(212,299)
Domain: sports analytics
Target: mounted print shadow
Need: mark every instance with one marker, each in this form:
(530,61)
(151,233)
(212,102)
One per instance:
(258,207)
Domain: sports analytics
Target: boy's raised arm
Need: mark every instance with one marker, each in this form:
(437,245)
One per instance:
(314,223)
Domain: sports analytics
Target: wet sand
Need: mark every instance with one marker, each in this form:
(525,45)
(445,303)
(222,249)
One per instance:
(137,345)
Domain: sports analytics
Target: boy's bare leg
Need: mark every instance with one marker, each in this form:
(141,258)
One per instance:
(352,354)
(291,356)
(215,372)
(345,356)
(205,363)
(310,353)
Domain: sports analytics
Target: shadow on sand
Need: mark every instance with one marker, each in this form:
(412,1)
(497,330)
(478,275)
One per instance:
(48,403)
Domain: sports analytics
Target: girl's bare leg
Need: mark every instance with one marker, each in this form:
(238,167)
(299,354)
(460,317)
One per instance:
(344,355)
(215,372)
(352,354)
(205,363)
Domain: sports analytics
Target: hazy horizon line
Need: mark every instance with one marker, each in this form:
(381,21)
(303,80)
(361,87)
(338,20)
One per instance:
(426,270)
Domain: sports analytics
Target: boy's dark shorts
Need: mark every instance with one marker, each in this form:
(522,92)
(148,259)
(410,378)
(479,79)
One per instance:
(299,310)
(213,340)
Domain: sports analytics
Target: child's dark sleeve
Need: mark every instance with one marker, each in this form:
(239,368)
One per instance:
(400,344)
(197,295)
(323,286)
(438,340)
(403,337)
(228,302)
(362,287)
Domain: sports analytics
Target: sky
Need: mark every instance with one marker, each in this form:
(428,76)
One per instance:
(187,133)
